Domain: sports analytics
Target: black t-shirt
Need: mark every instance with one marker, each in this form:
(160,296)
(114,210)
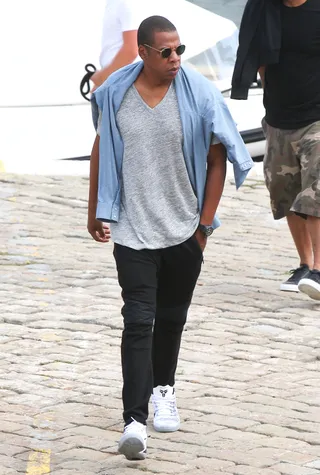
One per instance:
(292,87)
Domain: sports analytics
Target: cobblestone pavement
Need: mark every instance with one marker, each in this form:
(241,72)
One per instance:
(248,380)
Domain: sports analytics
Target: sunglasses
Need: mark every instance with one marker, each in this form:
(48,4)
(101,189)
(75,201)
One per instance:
(167,52)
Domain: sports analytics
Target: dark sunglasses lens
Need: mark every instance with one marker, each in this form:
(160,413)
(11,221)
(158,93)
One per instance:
(180,50)
(166,53)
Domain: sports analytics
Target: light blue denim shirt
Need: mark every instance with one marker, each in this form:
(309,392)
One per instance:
(203,112)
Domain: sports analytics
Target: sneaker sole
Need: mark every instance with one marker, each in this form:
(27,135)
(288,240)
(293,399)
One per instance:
(310,288)
(132,448)
(166,428)
(289,288)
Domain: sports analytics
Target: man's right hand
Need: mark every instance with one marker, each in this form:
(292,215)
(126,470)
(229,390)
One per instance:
(98,230)
(98,79)
(201,238)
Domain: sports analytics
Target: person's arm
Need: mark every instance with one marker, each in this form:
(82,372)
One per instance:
(216,175)
(126,55)
(262,72)
(99,231)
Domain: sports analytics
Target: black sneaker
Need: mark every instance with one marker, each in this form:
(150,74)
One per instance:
(291,285)
(310,284)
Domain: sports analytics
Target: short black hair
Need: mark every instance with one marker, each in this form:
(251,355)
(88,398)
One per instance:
(150,25)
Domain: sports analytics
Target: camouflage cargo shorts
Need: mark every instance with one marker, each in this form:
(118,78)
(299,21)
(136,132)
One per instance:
(292,170)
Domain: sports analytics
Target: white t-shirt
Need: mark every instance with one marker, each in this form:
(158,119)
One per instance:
(120,16)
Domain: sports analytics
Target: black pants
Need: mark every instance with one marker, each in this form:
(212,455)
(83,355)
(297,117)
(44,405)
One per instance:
(157,287)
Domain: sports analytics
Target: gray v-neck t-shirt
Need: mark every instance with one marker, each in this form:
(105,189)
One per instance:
(158,208)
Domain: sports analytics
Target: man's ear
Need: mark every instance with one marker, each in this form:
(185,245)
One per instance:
(143,52)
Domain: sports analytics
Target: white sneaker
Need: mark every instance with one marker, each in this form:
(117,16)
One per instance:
(166,416)
(133,443)
(310,284)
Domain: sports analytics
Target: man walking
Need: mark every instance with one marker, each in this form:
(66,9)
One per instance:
(290,73)
(157,173)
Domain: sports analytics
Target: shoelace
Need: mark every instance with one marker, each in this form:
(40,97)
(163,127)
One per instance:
(134,425)
(293,271)
(165,408)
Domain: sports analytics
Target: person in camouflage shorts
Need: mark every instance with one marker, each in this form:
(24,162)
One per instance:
(292,130)
(280,39)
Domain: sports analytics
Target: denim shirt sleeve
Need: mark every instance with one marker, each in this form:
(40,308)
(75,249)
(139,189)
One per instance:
(222,125)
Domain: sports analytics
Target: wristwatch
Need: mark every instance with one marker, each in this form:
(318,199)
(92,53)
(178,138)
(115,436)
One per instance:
(206,230)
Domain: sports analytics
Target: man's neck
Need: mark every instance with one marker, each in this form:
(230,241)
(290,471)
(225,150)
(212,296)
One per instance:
(153,82)
(294,3)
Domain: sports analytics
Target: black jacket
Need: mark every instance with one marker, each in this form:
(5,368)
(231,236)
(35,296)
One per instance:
(259,43)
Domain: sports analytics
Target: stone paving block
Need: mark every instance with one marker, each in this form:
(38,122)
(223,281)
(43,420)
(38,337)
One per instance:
(246,470)
(238,458)
(161,466)
(290,469)
(77,466)
(14,440)
(29,399)
(207,465)
(314,464)
(8,471)
(261,408)
(87,455)
(296,458)
(11,463)
(276,431)
(289,444)
(235,434)
(137,470)
(11,450)
(84,442)
(11,427)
